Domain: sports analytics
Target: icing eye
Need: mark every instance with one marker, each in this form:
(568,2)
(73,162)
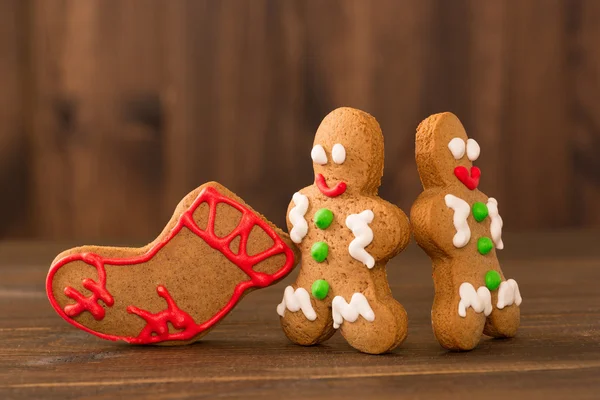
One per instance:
(473,149)
(318,155)
(338,153)
(457,148)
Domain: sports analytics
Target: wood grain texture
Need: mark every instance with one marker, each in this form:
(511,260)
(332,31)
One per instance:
(556,354)
(583,34)
(14,170)
(120,107)
(97,114)
(536,104)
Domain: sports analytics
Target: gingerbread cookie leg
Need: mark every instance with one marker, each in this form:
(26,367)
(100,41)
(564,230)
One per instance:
(504,320)
(304,321)
(368,324)
(458,315)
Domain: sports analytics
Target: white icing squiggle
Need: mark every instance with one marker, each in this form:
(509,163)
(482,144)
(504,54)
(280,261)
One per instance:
(496,224)
(295,301)
(508,294)
(338,153)
(359,225)
(299,224)
(480,300)
(473,149)
(318,155)
(461,213)
(343,311)
(457,148)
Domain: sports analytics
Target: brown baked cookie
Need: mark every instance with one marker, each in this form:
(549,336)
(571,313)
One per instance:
(213,251)
(346,235)
(460,229)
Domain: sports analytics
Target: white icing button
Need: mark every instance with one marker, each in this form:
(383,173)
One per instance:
(457,148)
(473,149)
(338,153)
(318,155)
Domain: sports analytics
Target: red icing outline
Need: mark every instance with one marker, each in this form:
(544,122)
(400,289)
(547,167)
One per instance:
(156,329)
(335,191)
(470,180)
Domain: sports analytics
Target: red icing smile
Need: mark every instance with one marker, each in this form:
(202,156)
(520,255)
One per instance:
(470,180)
(335,191)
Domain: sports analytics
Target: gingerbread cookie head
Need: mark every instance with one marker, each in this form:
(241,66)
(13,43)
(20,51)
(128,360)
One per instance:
(347,153)
(445,154)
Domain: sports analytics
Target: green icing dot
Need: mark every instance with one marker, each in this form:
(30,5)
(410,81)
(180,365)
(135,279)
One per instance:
(484,245)
(320,288)
(323,218)
(492,280)
(319,251)
(480,211)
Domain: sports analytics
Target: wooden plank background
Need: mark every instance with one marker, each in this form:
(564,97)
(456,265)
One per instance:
(112,110)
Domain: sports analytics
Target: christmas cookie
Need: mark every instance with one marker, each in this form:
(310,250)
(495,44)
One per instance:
(460,228)
(213,251)
(346,235)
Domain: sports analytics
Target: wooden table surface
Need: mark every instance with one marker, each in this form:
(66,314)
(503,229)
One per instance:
(556,354)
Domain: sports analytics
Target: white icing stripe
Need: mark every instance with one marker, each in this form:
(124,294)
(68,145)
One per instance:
(461,213)
(496,224)
(480,300)
(338,153)
(457,148)
(343,311)
(359,225)
(318,155)
(508,294)
(295,301)
(473,149)
(299,224)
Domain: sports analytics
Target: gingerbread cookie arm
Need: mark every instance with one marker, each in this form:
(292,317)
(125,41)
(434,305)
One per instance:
(430,223)
(391,231)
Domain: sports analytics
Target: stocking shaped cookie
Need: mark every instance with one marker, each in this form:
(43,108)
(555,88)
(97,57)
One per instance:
(460,228)
(346,235)
(213,251)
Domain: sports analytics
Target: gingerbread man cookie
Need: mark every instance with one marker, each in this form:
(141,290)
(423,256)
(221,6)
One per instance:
(346,235)
(213,251)
(460,228)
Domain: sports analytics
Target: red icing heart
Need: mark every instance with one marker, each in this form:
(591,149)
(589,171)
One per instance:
(469,180)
